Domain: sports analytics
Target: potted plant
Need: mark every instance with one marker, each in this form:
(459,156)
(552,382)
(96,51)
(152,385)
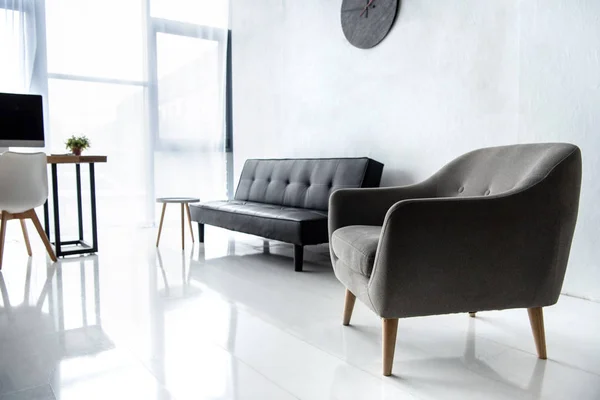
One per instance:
(77,144)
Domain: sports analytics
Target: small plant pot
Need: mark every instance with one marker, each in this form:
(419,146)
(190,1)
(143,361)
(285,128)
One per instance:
(76,151)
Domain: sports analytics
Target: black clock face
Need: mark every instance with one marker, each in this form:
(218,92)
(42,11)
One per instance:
(366,22)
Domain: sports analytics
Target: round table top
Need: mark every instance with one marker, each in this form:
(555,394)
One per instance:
(177,200)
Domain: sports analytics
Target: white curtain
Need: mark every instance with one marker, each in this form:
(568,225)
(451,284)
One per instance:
(18,44)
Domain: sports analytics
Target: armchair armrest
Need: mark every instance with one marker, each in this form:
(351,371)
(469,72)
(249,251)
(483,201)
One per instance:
(368,206)
(461,254)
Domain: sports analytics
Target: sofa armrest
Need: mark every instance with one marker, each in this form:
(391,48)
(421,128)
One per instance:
(368,206)
(447,255)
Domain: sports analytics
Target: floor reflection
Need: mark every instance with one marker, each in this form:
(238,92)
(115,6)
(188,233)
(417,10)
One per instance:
(177,288)
(481,367)
(49,302)
(181,357)
(228,320)
(50,325)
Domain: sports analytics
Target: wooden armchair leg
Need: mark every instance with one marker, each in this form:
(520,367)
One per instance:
(348,307)
(536,319)
(26,237)
(390,329)
(40,230)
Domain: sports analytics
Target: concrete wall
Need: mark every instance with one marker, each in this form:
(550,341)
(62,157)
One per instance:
(452,75)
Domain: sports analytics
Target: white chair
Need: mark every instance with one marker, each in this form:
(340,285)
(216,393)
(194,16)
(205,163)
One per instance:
(23,187)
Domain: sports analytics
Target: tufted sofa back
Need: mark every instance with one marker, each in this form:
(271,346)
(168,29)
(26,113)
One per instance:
(498,170)
(304,183)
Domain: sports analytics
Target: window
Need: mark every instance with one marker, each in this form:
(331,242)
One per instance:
(145,80)
(187,89)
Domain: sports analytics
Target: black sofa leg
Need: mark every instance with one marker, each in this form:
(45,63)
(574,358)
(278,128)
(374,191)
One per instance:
(298,257)
(200,232)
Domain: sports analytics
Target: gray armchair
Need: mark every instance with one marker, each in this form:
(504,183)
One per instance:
(491,230)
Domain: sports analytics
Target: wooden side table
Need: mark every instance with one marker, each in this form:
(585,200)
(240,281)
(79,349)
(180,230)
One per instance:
(185,206)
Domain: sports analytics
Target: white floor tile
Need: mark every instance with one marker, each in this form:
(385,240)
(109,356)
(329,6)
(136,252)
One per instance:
(230,319)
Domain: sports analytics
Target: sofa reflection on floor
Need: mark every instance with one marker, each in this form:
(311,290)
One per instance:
(287,199)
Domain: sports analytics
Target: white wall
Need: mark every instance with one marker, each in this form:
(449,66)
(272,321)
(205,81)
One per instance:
(453,75)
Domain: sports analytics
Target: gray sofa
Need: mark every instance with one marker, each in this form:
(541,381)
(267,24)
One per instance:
(287,199)
(491,230)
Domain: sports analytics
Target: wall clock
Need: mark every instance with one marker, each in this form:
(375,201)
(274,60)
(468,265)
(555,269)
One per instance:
(367,22)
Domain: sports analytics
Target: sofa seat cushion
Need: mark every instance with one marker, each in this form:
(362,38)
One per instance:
(356,246)
(287,224)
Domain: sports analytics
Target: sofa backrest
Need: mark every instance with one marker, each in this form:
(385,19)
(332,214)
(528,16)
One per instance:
(304,183)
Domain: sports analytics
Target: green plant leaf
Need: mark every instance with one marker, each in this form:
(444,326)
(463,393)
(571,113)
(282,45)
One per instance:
(78,142)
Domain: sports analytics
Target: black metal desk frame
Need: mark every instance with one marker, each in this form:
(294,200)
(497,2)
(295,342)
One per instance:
(82,247)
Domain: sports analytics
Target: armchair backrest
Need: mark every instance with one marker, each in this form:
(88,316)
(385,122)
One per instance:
(500,170)
(23,181)
(504,217)
(304,183)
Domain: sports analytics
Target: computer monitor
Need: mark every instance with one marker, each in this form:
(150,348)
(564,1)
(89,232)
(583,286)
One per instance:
(21,120)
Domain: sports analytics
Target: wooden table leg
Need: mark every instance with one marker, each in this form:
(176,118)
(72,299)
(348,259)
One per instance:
(182,228)
(162,218)
(189,215)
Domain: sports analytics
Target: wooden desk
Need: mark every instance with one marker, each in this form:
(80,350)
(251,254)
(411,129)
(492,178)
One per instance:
(81,247)
(69,159)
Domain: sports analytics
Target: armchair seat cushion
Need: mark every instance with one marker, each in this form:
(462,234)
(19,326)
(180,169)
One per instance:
(356,246)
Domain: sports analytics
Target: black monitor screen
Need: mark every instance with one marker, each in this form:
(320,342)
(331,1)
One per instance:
(21,120)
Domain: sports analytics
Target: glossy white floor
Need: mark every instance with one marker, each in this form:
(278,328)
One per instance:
(226,321)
